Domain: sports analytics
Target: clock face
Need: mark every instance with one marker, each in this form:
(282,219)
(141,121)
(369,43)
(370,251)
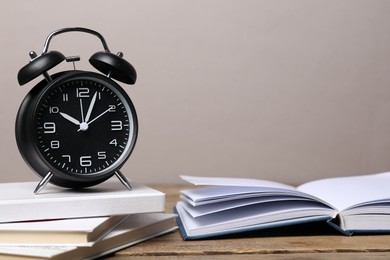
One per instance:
(84,125)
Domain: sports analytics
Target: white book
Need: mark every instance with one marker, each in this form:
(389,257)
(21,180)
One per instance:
(231,205)
(19,203)
(77,231)
(135,229)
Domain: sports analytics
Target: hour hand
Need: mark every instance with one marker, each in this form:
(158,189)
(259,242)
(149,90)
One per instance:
(69,118)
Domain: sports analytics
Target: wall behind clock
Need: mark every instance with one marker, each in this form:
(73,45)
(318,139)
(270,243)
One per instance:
(285,90)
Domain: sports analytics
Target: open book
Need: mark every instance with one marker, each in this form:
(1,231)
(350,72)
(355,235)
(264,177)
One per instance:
(231,205)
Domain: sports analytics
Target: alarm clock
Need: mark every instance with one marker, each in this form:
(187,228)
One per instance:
(76,128)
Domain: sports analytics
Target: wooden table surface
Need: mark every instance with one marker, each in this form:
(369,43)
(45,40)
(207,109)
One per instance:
(306,242)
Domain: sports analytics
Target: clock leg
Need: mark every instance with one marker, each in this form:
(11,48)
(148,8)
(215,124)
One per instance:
(123,180)
(43,182)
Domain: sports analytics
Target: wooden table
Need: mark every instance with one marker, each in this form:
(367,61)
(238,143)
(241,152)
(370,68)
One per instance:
(287,243)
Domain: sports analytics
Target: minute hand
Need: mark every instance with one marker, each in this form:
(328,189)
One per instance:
(90,108)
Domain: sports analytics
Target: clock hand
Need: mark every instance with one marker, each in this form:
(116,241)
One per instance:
(84,125)
(69,118)
(99,115)
(82,110)
(90,108)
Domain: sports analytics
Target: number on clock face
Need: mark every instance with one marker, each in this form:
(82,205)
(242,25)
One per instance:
(84,126)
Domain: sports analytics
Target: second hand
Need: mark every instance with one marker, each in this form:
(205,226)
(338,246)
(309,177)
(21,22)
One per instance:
(84,125)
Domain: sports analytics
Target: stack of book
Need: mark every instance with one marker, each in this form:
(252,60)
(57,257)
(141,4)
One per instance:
(354,204)
(76,224)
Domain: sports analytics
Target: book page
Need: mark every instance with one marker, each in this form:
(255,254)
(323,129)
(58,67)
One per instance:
(241,182)
(202,210)
(212,194)
(345,192)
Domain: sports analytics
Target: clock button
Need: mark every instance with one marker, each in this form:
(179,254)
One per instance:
(83,126)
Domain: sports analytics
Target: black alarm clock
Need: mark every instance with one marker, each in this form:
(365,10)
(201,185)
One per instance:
(77,128)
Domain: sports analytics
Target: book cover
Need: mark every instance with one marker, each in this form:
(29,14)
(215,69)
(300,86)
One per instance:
(19,203)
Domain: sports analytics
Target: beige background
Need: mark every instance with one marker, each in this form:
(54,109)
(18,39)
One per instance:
(283,90)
